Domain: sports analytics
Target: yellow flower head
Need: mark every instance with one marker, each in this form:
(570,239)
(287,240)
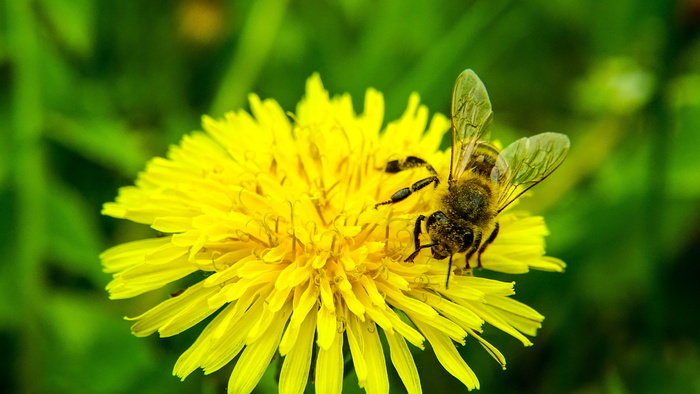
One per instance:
(278,211)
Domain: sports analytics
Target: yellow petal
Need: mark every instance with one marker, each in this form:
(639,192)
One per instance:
(408,332)
(329,367)
(326,327)
(230,338)
(130,254)
(444,325)
(403,362)
(495,353)
(303,303)
(297,363)
(377,378)
(355,333)
(448,356)
(192,357)
(256,356)
(172,224)
(496,319)
(176,314)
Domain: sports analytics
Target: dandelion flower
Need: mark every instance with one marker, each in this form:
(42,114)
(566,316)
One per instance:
(278,212)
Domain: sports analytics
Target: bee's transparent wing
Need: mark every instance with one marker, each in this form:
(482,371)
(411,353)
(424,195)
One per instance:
(526,162)
(471,117)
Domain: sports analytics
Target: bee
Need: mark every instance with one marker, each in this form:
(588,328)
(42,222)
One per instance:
(483,180)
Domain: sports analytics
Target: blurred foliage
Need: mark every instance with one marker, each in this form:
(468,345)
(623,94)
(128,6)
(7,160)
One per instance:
(92,89)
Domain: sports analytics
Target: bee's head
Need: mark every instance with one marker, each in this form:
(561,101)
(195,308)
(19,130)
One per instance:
(440,251)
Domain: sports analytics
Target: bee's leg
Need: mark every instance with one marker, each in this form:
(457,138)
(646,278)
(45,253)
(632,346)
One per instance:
(490,239)
(416,238)
(449,271)
(417,231)
(406,191)
(413,255)
(473,249)
(395,166)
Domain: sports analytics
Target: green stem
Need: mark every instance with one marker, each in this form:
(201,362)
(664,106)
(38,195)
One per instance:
(254,46)
(27,118)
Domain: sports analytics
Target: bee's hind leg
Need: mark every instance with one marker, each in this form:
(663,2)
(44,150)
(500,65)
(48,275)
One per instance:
(407,191)
(488,241)
(395,166)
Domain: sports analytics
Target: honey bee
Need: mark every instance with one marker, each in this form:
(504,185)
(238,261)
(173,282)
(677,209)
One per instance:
(483,180)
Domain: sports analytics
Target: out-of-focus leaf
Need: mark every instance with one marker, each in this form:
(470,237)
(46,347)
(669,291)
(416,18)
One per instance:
(8,272)
(89,350)
(5,156)
(73,240)
(103,141)
(71,22)
(614,86)
(256,42)
(684,171)
(453,48)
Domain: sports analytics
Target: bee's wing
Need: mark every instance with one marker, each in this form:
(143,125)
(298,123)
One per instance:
(526,162)
(471,117)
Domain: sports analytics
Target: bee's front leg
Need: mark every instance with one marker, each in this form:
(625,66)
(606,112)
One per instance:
(413,255)
(417,231)
(416,239)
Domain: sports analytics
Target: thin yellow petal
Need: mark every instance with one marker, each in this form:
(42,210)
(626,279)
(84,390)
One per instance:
(403,362)
(130,254)
(175,314)
(355,333)
(297,363)
(405,330)
(329,367)
(325,327)
(377,378)
(408,304)
(256,356)
(453,311)
(304,303)
(548,263)
(192,357)
(495,353)
(230,338)
(520,316)
(448,356)
(444,325)
(278,298)
(494,318)
(261,326)
(373,311)
(172,224)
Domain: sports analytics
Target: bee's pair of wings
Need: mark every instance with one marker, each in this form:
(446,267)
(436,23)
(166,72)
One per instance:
(521,165)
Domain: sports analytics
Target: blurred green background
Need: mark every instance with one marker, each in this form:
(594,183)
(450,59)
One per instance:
(90,90)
